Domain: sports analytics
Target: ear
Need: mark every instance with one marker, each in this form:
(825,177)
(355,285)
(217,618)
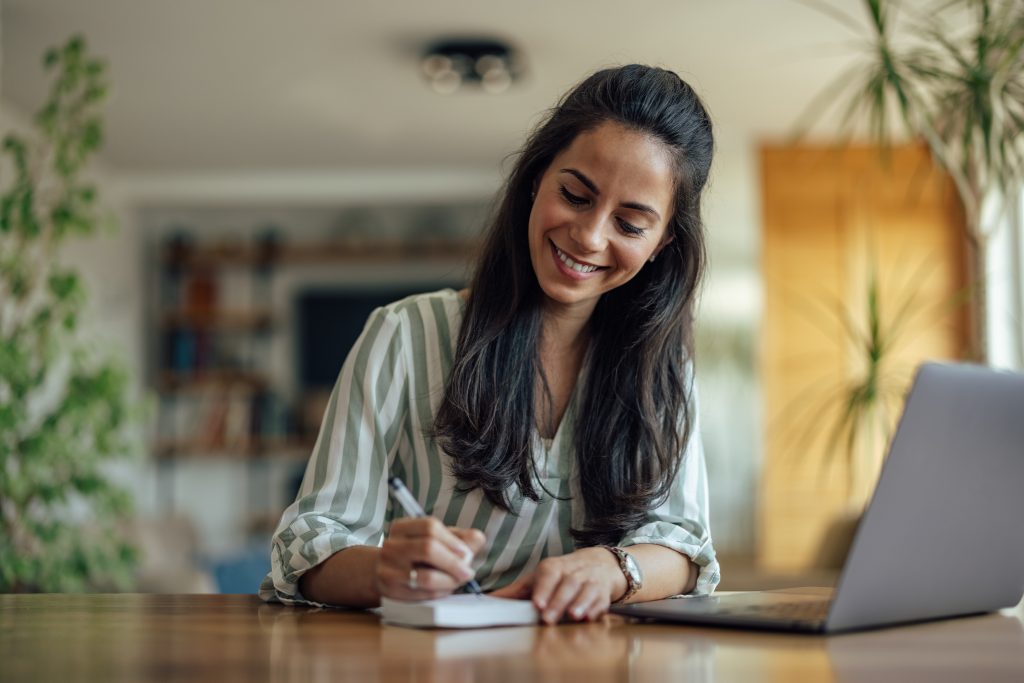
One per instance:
(664,243)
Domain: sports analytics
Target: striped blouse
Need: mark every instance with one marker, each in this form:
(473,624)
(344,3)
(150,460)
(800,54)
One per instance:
(381,408)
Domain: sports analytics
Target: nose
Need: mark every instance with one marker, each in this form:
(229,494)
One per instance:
(588,232)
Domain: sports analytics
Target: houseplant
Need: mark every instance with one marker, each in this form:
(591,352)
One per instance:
(952,75)
(65,411)
(857,410)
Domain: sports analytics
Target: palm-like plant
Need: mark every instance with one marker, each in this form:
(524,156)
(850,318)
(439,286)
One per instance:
(960,90)
(857,412)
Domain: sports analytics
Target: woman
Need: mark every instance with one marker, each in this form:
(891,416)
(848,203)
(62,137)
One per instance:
(545,417)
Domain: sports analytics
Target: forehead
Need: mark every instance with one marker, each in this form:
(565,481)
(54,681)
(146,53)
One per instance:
(622,162)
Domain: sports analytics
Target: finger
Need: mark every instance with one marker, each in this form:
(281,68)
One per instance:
(547,578)
(426,540)
(585,602)
(432,581)
(473,538)
(598,610)
(434,528)
(429,551)
(429,584)
(400,591)
(565,594)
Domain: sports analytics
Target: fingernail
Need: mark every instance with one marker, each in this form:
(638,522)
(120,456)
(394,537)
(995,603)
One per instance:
(550,617)
(577,612)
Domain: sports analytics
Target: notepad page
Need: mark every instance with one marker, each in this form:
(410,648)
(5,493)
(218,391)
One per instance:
(465,610)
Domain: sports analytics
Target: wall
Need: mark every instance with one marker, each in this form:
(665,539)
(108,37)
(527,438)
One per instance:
(1005,277)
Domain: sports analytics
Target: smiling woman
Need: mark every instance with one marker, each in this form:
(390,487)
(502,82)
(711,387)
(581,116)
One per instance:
(545,417)
(585,242)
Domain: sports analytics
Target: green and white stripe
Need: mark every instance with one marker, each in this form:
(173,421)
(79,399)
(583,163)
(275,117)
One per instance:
(375,425)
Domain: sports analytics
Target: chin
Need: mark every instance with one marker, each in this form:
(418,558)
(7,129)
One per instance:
(560,295)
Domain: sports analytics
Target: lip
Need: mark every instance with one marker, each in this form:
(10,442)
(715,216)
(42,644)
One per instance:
(569,272)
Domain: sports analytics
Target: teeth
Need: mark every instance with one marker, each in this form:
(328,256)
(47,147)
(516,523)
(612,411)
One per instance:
(578,267)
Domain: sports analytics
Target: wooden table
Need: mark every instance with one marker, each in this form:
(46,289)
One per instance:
(236,637)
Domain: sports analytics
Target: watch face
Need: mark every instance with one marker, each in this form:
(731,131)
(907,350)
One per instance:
(633,569)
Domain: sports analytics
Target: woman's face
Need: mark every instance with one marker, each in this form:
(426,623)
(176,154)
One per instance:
(601,211)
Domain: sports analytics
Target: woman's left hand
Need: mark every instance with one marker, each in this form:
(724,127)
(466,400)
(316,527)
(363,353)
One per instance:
(580,585)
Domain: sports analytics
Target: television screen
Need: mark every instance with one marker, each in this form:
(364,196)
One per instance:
(329,323)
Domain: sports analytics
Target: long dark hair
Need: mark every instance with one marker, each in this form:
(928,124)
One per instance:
(635,417)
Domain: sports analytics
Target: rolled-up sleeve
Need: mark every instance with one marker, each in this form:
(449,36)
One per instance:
(682,521)
(342,500)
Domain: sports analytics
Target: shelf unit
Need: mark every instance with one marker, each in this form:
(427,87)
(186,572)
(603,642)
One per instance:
(216,398)
(235,419)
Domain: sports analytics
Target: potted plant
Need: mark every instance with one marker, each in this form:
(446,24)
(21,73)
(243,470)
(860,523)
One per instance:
(65,411)
(960,90)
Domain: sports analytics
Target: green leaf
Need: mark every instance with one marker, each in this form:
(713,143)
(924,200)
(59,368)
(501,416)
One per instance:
(62,217)
(29,223)
(95,68)
(47,118)
(19,150)
(66,286)
(7,212)
(20,279)
(74,48)
(86,194)
(9,418)
(51,58)
(94,93)
(92,135)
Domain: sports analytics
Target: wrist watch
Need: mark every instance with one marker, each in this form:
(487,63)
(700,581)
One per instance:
(629,567)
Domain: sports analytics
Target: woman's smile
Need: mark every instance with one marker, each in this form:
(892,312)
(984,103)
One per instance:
(577,269)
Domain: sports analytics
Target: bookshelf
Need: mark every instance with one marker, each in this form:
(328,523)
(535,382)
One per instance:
(238,299)
(217,325)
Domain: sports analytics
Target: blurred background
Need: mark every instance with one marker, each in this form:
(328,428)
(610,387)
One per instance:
(277,170)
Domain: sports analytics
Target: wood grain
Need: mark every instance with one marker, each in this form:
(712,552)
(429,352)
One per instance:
(238,638)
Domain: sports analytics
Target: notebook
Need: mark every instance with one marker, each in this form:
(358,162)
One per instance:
(942,536)
(463,610)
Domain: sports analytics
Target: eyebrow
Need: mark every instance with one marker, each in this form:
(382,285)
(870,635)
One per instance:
(593,188)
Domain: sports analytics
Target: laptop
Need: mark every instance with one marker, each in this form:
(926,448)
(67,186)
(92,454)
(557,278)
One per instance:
(943,535)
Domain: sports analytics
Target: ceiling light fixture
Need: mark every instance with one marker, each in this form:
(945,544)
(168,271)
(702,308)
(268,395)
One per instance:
(454,64)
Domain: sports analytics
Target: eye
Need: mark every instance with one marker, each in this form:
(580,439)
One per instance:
(630,229)
(573,199)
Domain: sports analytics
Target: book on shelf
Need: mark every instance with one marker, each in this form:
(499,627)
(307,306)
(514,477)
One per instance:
(237,420)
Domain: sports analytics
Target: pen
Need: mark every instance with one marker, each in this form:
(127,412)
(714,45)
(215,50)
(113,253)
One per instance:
(412,508)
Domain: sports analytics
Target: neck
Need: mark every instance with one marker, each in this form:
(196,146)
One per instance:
(565,327)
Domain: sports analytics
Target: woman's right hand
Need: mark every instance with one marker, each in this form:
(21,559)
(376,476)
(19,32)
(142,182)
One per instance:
(423,559)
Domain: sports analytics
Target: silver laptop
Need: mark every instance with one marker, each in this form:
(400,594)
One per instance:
(943,535)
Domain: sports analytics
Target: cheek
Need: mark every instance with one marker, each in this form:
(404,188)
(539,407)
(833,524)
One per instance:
(634,256)
(548,215)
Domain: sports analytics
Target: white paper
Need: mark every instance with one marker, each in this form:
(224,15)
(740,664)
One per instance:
(465,610)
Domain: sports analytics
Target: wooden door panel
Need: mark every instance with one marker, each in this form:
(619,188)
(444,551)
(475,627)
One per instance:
(829,220)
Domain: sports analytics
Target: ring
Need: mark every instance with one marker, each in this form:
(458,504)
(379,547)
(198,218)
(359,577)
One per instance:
(412,579)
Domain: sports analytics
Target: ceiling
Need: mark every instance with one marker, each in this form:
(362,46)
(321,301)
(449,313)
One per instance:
(257,85)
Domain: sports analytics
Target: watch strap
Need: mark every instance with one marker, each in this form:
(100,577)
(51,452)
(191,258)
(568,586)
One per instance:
(629,569)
